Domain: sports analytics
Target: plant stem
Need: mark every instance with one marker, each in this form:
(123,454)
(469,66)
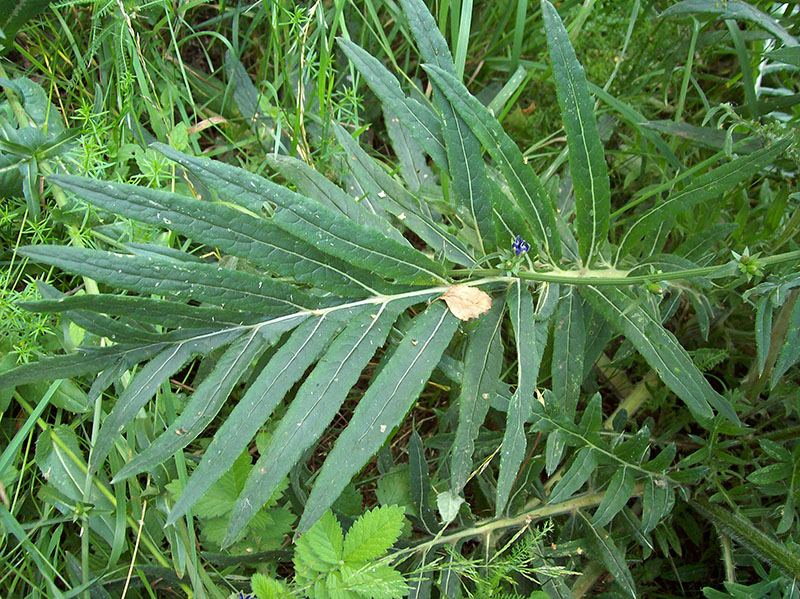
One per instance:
(522,519)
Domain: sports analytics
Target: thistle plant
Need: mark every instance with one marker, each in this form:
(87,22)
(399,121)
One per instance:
(318,289)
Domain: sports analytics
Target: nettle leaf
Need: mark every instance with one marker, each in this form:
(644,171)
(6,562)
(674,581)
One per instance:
(586,160)
(372,535)
(320,547)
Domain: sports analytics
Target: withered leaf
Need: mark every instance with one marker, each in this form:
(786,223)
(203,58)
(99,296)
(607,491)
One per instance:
(466,302)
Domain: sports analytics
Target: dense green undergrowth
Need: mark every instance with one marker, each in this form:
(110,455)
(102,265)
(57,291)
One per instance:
(366,300)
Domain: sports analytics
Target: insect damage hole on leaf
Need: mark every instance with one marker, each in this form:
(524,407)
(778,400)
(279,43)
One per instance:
(465,302)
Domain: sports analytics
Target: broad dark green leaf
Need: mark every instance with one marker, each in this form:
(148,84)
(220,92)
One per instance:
(147,381)
(146,309)
(387,400)
(209,396)
(282,371)
(478,386)
(569,348)
(587,163)
(431,44)
(524,184)
(611,556)
(659,347)
(732,9)
(16,13)
(530,338)
(706,187)
(420,120)
(619,491)
(83,361)
(578,473)
(315,404)
(202,282)
(231,230)
(310,221)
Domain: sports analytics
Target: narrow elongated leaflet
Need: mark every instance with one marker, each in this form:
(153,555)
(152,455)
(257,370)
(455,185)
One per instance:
(285,368)
(202,282)
(399,202)
(83,361)
(146,309)
(530,338)
(389,397)
(420,120)
(790,351)
(569,347)
(578,473)
(611,556)
(655,503)
(705,187)
(525,185)
(314,406)
(587,163)
(660,348)
(413,161)
(209,396)
(240,234)
(317,225)
(145,384)
(619,491)
(478,386)
(313,184)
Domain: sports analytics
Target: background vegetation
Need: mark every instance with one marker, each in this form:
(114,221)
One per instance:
(700,505)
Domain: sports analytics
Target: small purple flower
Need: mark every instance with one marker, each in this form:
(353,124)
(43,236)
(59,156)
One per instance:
(520,245)
(243,596)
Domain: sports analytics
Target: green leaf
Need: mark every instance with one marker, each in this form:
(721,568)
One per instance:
(763,330)
(256,240)
(578,473)
(524,184)
(420,120)
(387,400)
(202,282)
(315,404)
(209,396)
(430,42)
(83,361)
(323,228)
(587,163)
(790,55)
(764,547)
(400,203)
(413,162)
(705,187)
(569,348)
(145,309)
(282,371)
(320,548)
(611,556)
(790,352)
(16,13)
(420,482)
(732,9)
(378,581)
(530,338)
(145,384)
(554,450)
(479,384)
(372,535)
(655,503)
(619,491)
(659,347)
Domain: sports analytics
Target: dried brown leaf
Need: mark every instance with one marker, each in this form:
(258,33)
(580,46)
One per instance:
(466,302)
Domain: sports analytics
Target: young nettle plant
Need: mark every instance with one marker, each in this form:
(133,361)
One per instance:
(322,280)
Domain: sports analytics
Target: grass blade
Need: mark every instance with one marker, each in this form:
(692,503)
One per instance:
(387,400)
(587,163)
